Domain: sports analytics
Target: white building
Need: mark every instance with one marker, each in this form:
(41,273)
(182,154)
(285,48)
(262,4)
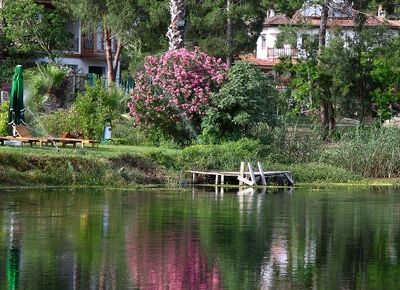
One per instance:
(87,54)
(340,15)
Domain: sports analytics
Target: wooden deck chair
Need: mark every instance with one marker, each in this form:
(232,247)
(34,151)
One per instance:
(68,138)
(23,132)
(23,136)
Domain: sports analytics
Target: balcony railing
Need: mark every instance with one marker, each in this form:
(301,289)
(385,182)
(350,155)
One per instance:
(275,53)
(93,45)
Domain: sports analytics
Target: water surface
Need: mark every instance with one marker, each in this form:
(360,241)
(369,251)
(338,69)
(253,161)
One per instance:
(200,239)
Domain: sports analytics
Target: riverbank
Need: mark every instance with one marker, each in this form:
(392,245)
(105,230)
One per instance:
(104,166)
(120,166)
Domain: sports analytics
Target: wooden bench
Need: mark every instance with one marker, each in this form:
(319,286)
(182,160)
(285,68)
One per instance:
(65,141)
(2,139)
(23,136)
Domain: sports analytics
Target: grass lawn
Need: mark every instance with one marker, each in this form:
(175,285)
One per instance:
(98,152)
(104,165)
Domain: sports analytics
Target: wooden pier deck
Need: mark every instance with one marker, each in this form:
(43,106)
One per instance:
(249,178)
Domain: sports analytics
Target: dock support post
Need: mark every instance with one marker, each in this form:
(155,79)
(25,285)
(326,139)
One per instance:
(222,179)
(241,172)
(289,178)
(253,177)
(260,168)
(216,179)
(193,177)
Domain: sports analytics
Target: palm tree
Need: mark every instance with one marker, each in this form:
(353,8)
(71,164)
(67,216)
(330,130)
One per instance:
(176,30)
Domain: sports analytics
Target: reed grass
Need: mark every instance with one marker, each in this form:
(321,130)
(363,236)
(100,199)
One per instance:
(369,152)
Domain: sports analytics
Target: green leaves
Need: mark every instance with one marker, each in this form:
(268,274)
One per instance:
(247,99)
(34,30)
(41,80)
(207,26)
(94,106)
(4,128)
(386,71)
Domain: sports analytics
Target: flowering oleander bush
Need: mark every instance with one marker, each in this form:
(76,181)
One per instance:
(173,92)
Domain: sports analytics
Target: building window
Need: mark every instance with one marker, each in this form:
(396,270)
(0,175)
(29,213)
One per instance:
(88,42)
(263,41)
(97,70)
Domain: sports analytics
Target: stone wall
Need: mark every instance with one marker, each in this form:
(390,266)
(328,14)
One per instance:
(4,96)
(64,96)
(5,90)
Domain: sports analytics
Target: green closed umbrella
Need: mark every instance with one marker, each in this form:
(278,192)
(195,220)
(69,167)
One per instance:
(13,260)
(13,254)
(16,112)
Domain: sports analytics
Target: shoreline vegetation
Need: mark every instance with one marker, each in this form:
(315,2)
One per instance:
(362,157)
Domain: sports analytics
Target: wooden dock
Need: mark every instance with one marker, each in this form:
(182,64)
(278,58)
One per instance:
(250,177)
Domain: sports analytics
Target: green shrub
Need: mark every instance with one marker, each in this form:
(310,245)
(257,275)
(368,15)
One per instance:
(59,122)
(166,160)
(118,141)
(173,92)
(95,105)
(124,131)
(4,128)
(226,156)
(247,99)
(39,82)
(88,114)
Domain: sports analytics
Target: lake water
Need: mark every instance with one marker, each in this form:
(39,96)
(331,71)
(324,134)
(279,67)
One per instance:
(200,239)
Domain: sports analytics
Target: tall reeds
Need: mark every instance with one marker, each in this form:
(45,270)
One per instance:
(369,152)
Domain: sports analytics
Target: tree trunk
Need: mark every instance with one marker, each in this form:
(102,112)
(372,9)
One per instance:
(327,109)
(362,102)
(112,61)
(332,118)
(3,46)
(229,33)
(3,49)
(176,30)
(322,29)
(324,106)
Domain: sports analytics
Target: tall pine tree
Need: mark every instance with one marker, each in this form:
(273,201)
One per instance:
(224,28)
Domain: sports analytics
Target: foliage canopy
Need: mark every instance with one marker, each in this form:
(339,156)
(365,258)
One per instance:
(32,29)
(248,98)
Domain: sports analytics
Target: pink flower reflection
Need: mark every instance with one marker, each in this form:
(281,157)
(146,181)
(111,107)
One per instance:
(159,260)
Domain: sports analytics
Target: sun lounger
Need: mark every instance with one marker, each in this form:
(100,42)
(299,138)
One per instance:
(65,141)
(23,132)
(2,139)
(24,136)
(68,138)
(22,141)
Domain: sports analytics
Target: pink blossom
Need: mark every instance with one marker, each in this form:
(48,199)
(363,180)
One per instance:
(175,84)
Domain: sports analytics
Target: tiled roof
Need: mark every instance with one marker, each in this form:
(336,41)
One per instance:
(372,20)
(277,20)
(263,63)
